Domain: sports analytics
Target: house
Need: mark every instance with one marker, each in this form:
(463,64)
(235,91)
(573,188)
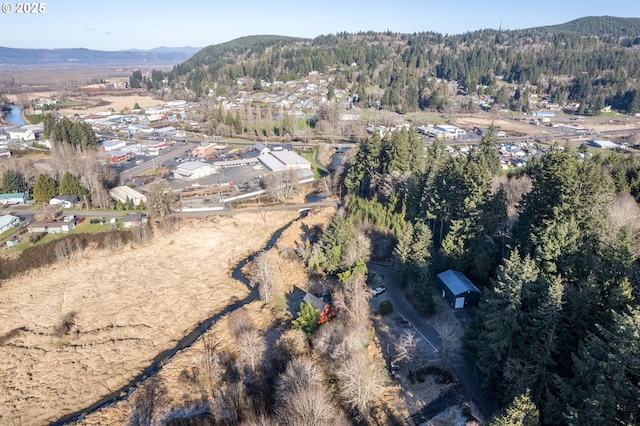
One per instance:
(8,221)
(325,309)
(124,194)
(50,226)
(16,198)
(66,201)
(193,170)
(457,289)
(134,219)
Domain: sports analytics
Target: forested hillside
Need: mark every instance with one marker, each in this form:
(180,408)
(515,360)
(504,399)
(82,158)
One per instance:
(554,247)
(592,62)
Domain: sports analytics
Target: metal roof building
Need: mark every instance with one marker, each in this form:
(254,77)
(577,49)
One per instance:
(457,289)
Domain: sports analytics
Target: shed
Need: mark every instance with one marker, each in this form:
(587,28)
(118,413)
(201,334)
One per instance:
(12,242)
(457,289)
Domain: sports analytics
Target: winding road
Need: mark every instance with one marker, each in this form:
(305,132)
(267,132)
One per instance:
(463,371)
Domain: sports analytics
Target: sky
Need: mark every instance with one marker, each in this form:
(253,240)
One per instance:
(145,24)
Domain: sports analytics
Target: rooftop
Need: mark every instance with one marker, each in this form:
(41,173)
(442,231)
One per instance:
(457,282)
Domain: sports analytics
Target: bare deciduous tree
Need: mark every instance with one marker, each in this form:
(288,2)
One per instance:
(292,344)
(514,189)
(356,248)
(161,200)
(240,322)
(302,397)
(252,347)
(113,241)
(211,367)
(232,403)
(282,185)
(147,401)
(325,186)
(405,346)
(360,382)
(625,212)
(264,272)
(352,303)
(66,249)
(141,233)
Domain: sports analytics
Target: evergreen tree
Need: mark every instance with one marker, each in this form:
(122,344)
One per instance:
(500,320)
(395,153)
(69,185)
(605,388)
(12,181)
(307,319)
(44,189)
(521,411)
(400,267)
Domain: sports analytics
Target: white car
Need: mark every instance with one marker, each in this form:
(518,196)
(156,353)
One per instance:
(378,290)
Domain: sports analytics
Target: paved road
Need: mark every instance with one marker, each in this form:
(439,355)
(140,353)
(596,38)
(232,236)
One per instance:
(463,372)
(25,211)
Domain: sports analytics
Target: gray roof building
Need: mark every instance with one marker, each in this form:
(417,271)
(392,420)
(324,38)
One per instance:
(457,289)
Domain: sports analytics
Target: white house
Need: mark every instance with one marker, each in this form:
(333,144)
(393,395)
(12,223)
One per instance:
(66,201)
(8,221)
(16,198)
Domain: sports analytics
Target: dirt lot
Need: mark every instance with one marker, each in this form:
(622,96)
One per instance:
(74,332)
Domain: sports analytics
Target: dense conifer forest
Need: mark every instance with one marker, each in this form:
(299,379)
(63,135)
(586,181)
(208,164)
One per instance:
(593,62)
(555,248)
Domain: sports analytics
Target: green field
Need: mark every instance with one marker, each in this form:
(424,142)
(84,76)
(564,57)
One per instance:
(319,171)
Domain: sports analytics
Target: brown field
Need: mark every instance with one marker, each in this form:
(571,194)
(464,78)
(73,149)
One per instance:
(128,306)
(93,104)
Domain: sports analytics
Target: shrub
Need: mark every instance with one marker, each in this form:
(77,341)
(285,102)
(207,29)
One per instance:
(385,308)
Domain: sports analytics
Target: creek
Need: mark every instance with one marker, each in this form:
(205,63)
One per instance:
(183,343)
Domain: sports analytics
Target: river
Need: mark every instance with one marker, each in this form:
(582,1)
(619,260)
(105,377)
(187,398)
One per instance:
(14,116)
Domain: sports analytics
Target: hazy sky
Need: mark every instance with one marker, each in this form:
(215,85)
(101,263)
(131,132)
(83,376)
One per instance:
(144,24)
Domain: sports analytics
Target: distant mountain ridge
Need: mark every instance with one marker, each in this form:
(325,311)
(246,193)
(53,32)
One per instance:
(598,26)
(12,58)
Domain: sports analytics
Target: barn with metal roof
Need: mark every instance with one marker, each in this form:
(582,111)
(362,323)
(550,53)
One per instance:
(457,289)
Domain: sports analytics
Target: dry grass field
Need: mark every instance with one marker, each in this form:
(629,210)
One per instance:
(76,331)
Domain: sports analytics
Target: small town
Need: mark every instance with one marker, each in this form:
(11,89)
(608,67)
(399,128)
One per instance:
(414,221)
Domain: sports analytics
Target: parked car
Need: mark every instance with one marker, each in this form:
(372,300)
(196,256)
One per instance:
(378,290)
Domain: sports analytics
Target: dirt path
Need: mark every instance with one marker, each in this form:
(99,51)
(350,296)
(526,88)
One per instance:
(120,309)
